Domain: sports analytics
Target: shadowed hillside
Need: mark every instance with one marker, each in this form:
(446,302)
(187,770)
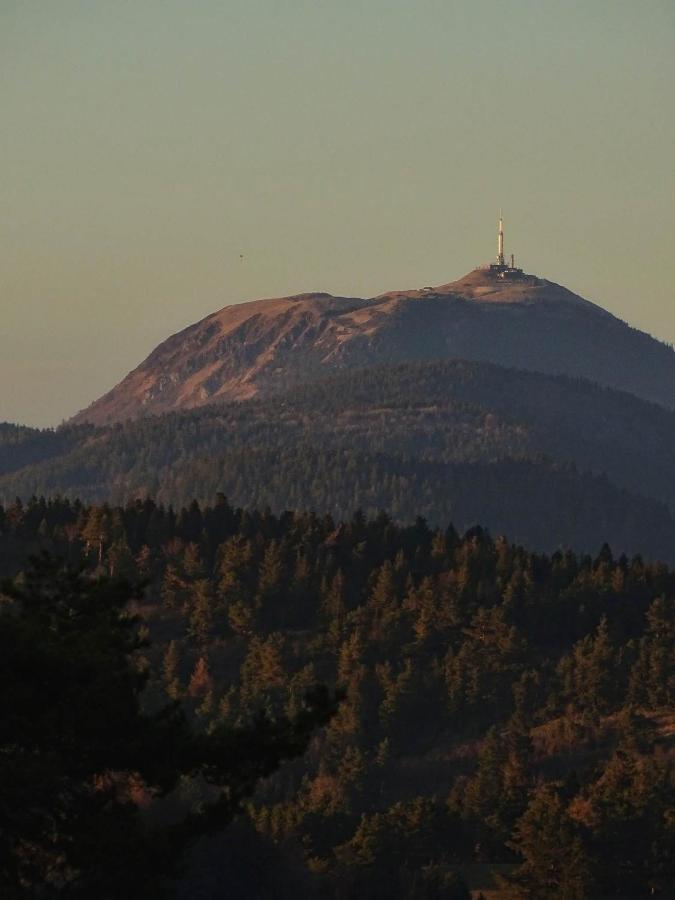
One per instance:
(552,460)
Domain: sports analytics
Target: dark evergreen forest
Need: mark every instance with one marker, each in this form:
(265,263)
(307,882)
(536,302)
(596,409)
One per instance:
(554,462)
(504,720)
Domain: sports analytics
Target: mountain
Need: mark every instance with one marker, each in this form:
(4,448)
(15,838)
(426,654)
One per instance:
(555,461)
(265,346)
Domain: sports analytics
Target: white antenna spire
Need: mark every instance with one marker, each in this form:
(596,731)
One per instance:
(500,241)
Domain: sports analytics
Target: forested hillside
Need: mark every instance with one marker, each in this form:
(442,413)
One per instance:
(552,461)
(508,717)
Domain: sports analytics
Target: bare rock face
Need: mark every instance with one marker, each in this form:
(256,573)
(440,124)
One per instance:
(266,346)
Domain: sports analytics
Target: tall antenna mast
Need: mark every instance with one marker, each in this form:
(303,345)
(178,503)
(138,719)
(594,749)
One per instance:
(500,241)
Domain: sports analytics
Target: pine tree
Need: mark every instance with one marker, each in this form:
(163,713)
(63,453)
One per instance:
(383,604)
(201,612)
(201,682)
(234,576)
(144,561)
(652,680)
(555,864)
(175,591)
(96,531)
(587,673)
(627,811)
(171,670)
(263,673)
(121,563)
(269,598)
(192,564)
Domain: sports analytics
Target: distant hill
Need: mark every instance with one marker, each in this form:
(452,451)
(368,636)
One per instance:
(552,460)
(265,346)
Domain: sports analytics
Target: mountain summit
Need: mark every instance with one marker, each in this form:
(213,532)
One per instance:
(264,346)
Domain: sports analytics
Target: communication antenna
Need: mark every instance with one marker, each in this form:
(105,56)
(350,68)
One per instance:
(500,241)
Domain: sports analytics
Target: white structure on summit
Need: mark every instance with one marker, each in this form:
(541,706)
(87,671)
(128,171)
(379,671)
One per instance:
(500,268)
(500,241)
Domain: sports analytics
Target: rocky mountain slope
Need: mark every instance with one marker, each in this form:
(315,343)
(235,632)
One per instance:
(265,346)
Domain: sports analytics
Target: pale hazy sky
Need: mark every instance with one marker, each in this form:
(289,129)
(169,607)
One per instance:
(352,147)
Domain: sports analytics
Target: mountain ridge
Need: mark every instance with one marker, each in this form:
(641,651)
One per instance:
(264,346)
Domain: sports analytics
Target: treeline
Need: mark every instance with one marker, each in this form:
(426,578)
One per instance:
(22,446)
(504,711)
(553,462)
(540,503)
